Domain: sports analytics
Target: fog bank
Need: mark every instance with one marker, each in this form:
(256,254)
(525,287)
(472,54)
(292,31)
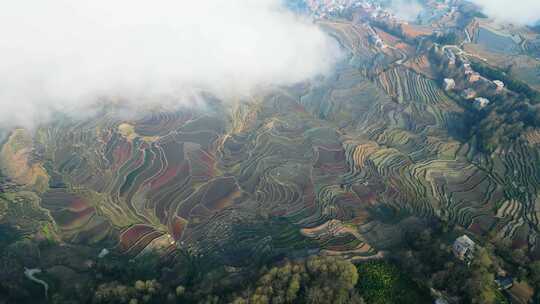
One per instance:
(62,54)
(521,12)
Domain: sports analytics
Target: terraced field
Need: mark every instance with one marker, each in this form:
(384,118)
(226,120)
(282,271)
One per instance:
(334,165)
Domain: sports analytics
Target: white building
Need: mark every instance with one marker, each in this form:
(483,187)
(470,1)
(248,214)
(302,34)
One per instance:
(468,69)
(481,102)
(449,84)
(499,84)
(463,248)
(441,301)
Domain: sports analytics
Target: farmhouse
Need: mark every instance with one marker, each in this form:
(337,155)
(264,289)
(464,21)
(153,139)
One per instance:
(473,77)
(499,84)
(449,84)
(463,248)
(504,283)
(481,102)
(469,93)
(468,69)
(441,301)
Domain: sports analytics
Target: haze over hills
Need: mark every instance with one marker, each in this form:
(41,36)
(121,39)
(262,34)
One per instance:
(63,55)
(392,129)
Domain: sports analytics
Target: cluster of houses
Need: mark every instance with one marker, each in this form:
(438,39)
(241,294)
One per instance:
(469,80)
(374,9)
(322,8)
(471,94)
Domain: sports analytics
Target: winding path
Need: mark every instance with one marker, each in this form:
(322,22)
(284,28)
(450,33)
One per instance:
(30,274)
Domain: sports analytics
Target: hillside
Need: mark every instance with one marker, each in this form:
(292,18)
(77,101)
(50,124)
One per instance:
(342,166)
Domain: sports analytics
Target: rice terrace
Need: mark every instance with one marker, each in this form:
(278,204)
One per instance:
(407,173)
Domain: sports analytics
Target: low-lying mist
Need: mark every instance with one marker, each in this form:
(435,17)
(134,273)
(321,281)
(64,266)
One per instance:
(407,10)
(62,54)
(521,12)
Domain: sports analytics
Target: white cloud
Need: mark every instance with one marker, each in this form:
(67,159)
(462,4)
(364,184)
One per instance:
(515,11)
(58,54)
(406,9)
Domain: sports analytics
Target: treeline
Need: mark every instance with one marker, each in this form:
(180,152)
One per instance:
(393,29)
(311,280)
(511,83)
(315,280)
(505,122)
(427,256)
(327,279)
(508,117)
(449,38)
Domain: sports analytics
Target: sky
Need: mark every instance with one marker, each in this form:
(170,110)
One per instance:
(521,12)
(65,54)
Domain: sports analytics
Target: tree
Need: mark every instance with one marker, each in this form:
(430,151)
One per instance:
(481,286)
(534,273)
(315,280)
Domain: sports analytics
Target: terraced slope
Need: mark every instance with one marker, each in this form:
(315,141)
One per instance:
(335,165)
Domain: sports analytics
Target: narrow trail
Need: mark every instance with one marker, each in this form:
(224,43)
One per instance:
(30,274)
